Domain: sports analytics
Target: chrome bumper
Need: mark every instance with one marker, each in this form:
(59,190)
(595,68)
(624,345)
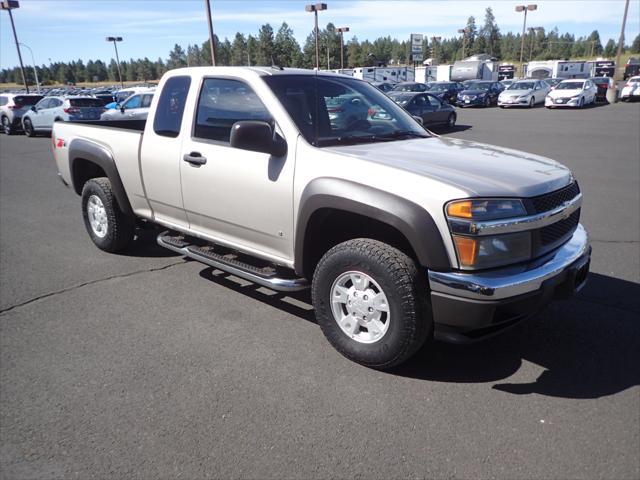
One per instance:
(509,282)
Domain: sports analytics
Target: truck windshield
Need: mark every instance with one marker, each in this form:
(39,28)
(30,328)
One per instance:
(332,110)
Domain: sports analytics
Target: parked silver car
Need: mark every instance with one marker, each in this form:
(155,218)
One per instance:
(12,108)
(136,107)
(40,117)
(524,93)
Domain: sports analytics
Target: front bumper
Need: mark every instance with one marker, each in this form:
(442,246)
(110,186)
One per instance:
(562,102)
(463,102)
(520,102)
(469,306)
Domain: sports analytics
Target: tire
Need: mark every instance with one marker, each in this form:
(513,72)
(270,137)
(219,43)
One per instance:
(451,121)
(581,104)
(405,325)
(532,102)
(6,126)
(109,228)
(487,102)
(27,126)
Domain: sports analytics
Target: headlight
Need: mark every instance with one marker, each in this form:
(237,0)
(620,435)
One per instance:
(486,209)
(478,252)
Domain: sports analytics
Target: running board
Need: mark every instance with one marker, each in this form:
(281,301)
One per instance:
(265,276)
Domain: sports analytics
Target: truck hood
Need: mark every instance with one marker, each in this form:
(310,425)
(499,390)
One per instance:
(477,168)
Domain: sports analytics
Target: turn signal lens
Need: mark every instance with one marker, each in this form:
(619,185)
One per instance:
(467,249)
(460,209)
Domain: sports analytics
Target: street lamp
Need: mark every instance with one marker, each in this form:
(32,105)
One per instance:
(464,32)
(114,40)
(532,31)
(525,9)
(315,9)
(342,30)
(9,5)
(33,60)
(434,42)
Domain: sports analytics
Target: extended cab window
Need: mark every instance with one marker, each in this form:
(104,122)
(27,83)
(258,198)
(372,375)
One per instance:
(222,103)
(171,106)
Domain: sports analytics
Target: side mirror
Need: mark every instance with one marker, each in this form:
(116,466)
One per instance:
(34,109)
(418,119)
(122,109)
(257,136)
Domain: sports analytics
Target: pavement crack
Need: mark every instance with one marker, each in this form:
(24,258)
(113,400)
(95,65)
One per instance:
(595,240)
(86,284)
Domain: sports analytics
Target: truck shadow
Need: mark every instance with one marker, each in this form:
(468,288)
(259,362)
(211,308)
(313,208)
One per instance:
(588,346)
(443,130)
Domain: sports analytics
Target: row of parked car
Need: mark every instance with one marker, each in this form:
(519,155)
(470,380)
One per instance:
(34,114)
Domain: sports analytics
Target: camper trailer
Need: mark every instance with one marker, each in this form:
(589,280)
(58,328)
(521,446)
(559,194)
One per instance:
(564,69)
(602,68)
(385,74)
(476,67)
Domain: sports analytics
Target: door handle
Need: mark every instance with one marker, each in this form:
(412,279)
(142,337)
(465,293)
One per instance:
(194,158)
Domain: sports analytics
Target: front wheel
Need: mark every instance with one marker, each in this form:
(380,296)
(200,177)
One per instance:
(108,226)
(371,302)
(27,126)
(487,102)
(451,120)
(532,102)
(581,104)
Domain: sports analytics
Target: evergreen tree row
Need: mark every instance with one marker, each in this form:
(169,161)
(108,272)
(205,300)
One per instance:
(281,48)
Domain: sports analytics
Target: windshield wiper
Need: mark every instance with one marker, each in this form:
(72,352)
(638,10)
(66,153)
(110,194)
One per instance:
(356,139)
(401,134)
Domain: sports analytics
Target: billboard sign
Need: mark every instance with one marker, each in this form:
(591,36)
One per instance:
(416,47)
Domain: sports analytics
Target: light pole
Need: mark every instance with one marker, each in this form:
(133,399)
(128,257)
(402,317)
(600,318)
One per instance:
(434,42)
(9,5)
(33,60)
(525,9)
(115,40)
(342,30)
(464,32)
(315,9)
(532,31)
(616,75)
(211,46)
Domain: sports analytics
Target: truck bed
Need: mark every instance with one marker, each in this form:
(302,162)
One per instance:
(123,124)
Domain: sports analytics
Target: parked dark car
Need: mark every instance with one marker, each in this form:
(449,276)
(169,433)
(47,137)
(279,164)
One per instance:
(479,93)
(446,91)
(428,107)
(603,84)
(410,87)
(384,86)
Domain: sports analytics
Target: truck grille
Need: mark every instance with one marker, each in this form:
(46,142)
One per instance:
(552,200)
(557,231)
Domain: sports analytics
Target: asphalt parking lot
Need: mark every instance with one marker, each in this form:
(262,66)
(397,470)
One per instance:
(146,365)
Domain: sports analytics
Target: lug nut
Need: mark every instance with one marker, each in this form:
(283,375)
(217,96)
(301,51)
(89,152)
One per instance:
(366,298)
(370,309)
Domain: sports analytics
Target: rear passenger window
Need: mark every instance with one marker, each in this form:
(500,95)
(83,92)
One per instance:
(146,101)
(171,105)
(222,103)
(3,101)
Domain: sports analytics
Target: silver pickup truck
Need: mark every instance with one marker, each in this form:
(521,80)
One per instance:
(401,235)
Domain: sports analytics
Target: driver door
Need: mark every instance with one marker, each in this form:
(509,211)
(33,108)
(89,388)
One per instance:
(236,197)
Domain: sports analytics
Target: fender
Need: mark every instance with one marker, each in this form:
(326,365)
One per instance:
(80,149)
(410,219)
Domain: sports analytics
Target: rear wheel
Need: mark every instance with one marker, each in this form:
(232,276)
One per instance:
(109,228)
(27,126)
(451,120)
(6,126)
(371,302)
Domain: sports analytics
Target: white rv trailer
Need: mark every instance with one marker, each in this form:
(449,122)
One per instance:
(476,67)
(385,74)
(558,69)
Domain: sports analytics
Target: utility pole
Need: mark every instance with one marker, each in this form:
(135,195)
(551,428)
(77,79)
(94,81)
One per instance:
(434,53)
(315,9)
(114,40)
(211,45)
(616,75)
(464,32)
(35,71)
(532,31)
(9,5)
(525,9)
(342,30)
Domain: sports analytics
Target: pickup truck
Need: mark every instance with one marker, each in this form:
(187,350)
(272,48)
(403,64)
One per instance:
(402,235)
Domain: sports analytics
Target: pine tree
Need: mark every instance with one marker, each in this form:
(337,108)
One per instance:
(265,45)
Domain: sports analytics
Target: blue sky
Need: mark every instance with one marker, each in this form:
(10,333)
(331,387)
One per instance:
(72,29)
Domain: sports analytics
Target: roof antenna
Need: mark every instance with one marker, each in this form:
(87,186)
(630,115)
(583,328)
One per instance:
(273,64)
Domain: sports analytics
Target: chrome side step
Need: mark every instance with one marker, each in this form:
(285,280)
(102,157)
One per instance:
(265,276)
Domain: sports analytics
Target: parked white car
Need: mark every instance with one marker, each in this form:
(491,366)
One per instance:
(12,107)
(572,93)
(524,93)
(41,117)
(631,89)
(136,107)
